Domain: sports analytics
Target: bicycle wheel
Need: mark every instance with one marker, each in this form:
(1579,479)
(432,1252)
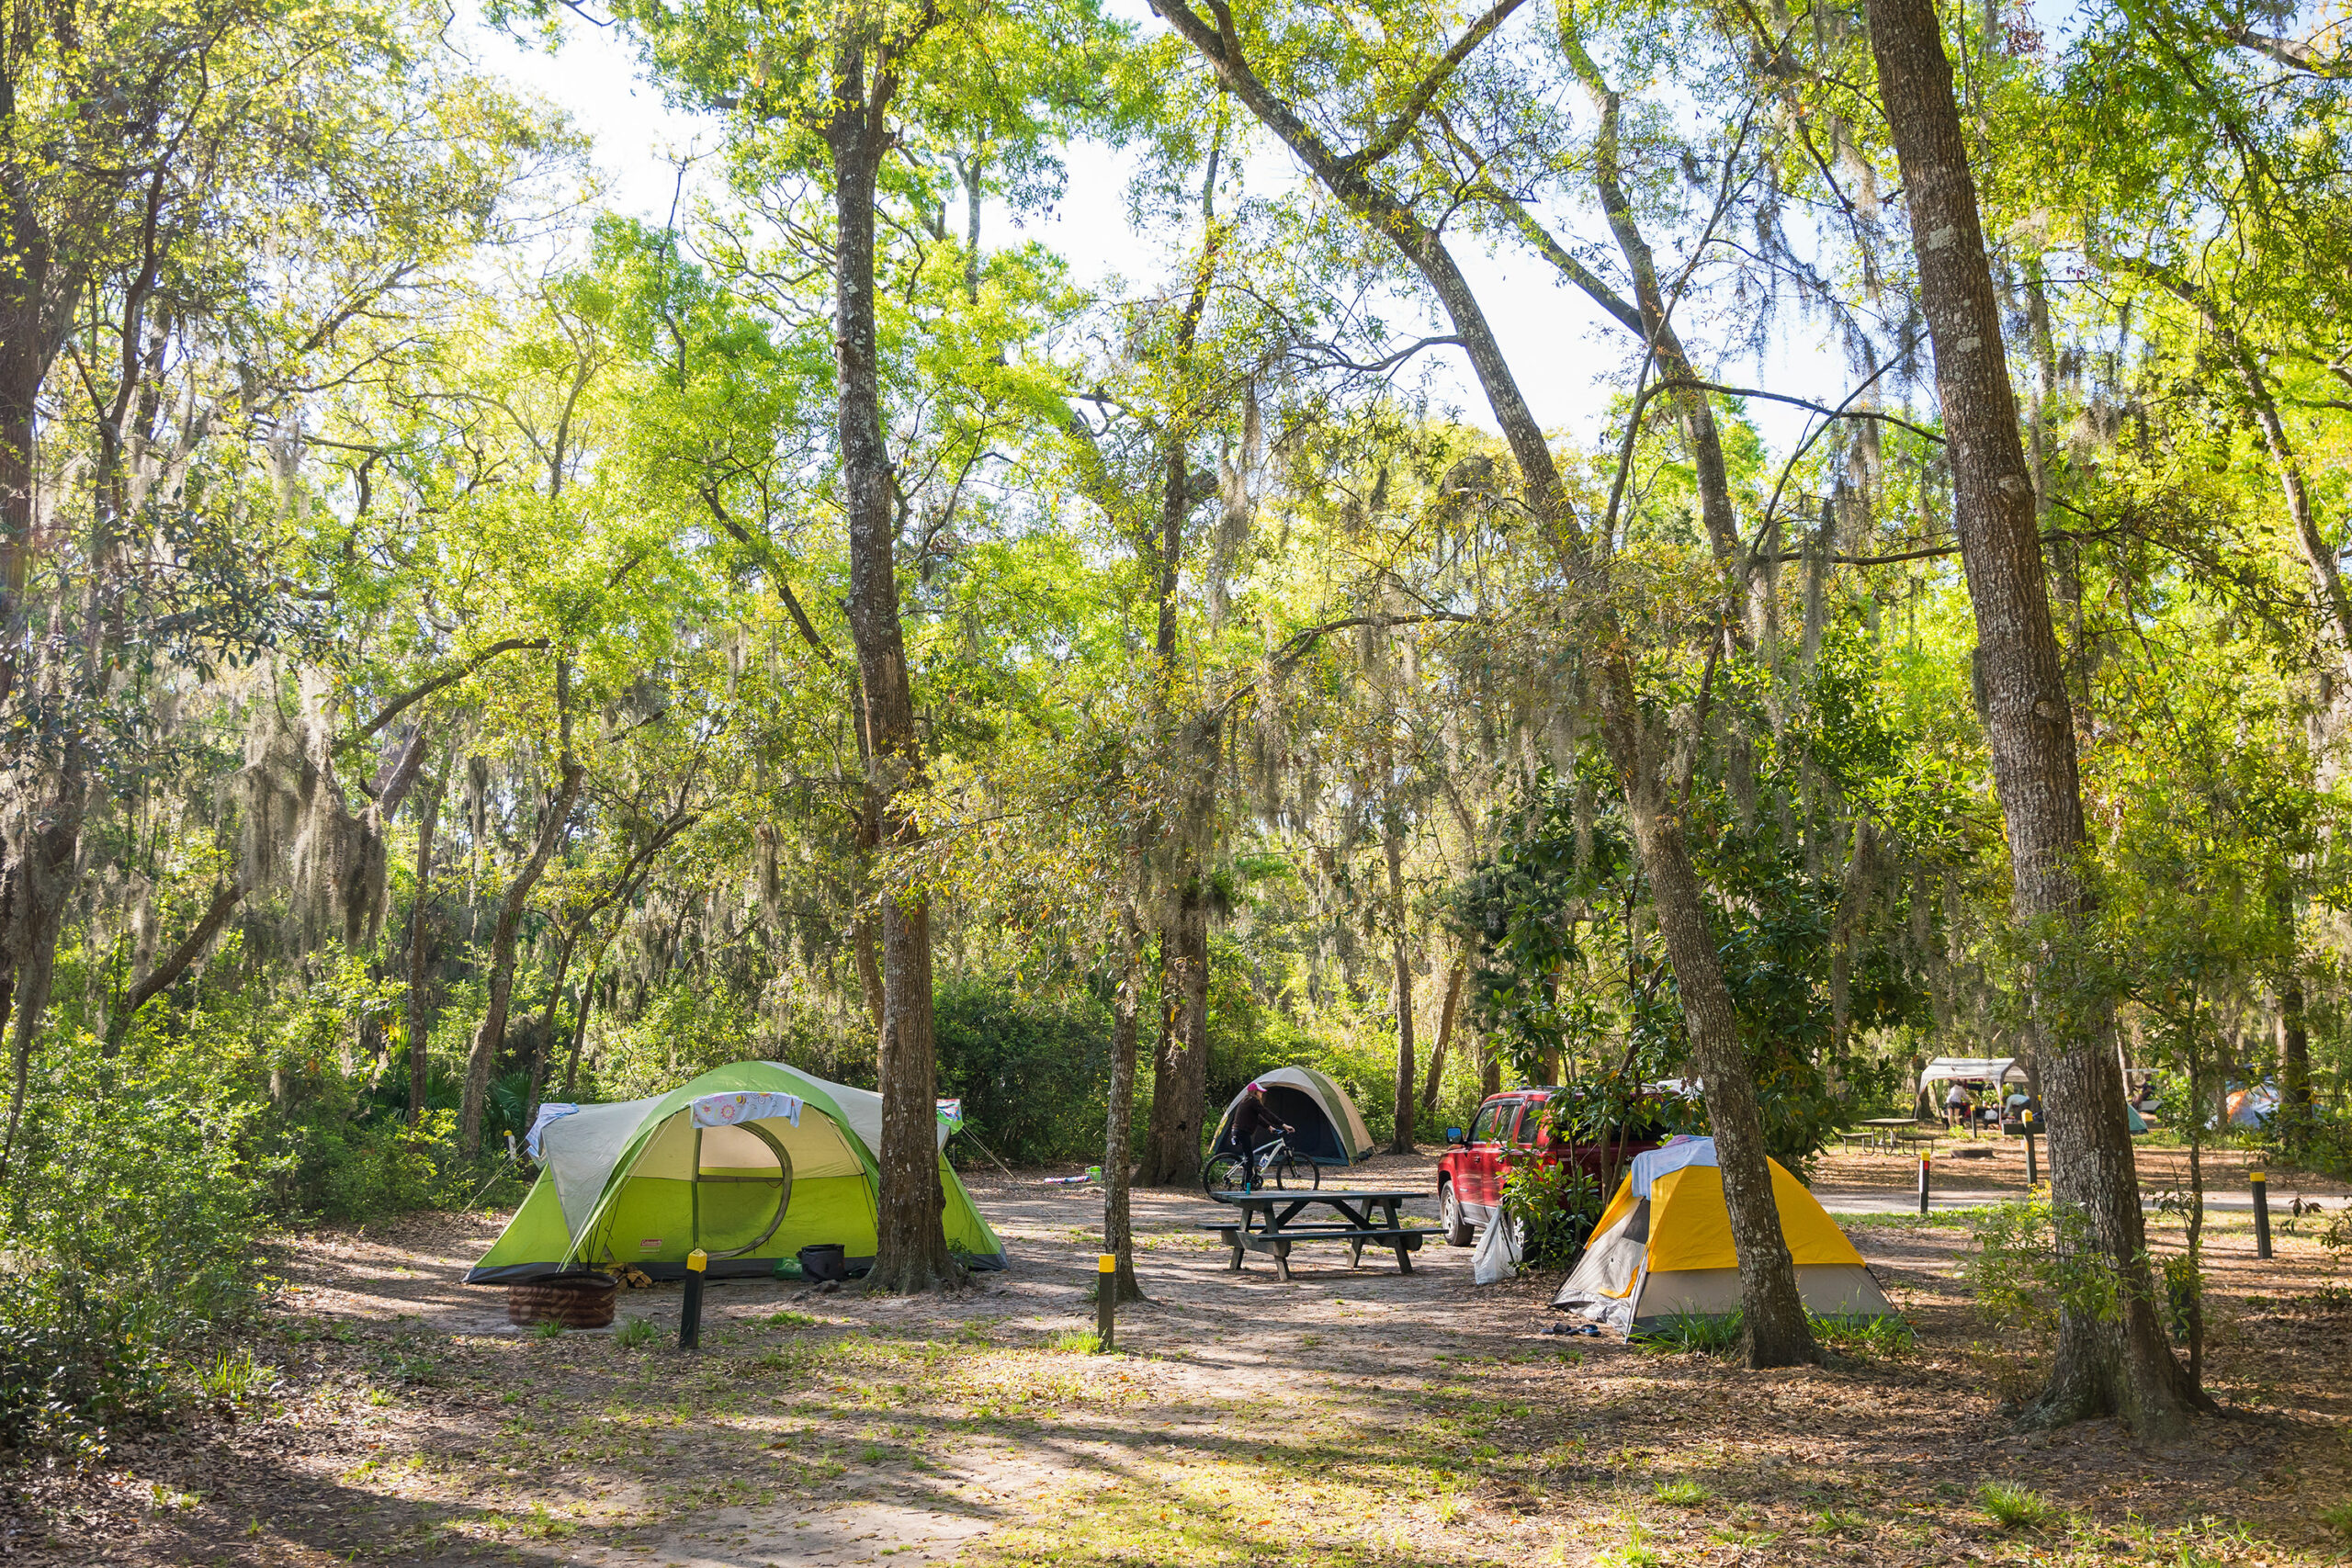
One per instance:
(1292,1173)
(1222,1174)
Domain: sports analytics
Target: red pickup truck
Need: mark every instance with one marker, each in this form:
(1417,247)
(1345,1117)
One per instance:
(1508,1129)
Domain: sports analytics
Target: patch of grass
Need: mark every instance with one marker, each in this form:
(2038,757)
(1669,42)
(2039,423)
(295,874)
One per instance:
(793,1320)
(235,1378)
(1698,1333)
(1882,1336)
(1635,1554)
(2338,1518)
(1680,1494)
(634,1332)
(1077,1342)
(2012,1506)
(551,1329)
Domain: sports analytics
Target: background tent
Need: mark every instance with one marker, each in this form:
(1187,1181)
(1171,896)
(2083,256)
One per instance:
(2002,1070)
(751,1162)
(1331,1128)
(1664,1247)
(2250,1108)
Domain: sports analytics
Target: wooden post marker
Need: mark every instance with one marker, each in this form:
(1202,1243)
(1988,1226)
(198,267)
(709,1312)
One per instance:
(1927,1158)
(1106,1295)
(690,1315)
(2261,1214)
(2030,1178)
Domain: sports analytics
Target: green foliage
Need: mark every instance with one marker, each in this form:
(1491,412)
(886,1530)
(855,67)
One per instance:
(133,1250)
(1033,1073)
(1555,1203)
(634,1333)
(2033,1261)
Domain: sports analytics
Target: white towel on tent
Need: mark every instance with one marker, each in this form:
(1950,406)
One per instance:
(1668,1159)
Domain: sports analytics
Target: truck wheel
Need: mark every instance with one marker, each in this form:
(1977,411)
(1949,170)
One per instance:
(1449,1217)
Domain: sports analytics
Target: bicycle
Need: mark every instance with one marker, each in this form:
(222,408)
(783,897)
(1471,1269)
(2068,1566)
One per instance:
(1280,1166)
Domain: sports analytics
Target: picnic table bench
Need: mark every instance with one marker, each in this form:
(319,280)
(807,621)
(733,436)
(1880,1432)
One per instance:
(1269,1222)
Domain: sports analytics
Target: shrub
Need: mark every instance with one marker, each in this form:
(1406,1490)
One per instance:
(634,1332)
(131,1248)
(1033,1073)
(1556,1206)
(2033,1261)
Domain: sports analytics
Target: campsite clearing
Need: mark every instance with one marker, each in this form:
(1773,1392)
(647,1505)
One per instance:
(390,1416)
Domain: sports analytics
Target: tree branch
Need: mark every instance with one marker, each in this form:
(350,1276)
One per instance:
(415,694)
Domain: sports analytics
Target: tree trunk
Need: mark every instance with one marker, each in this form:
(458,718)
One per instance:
(1490,1069)
(1171,1155)
(420,1028)
(491,1035)
(545,1044)
(1401,1142)
(869,964)
(2121,1367)
(1445,1038)
(1777,1333)
(35,887)
(1774,1328)
(911,1248)
(1118,1159)
(580,1023)
(2294,1056)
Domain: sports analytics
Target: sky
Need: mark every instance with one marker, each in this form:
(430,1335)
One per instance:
(1567,363)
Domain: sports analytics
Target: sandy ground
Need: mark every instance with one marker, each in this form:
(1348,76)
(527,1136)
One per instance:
(1416,1418)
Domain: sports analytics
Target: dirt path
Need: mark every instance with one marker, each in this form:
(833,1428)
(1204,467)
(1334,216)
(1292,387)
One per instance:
(1349,1417)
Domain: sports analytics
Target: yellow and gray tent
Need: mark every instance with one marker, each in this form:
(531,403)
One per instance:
(750,1163)
(1331,1128)
(1663,1247)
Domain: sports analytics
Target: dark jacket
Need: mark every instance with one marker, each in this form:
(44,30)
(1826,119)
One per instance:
(1253,1123)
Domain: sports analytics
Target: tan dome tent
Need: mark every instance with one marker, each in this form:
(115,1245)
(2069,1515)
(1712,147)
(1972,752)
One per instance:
(1663,1248)
(1331,1128)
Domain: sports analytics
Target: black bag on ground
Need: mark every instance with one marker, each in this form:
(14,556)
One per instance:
(823,1261)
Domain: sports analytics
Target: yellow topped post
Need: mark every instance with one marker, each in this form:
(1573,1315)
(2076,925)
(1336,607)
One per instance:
(690,1310)
(1106,1294)
(2261,1212)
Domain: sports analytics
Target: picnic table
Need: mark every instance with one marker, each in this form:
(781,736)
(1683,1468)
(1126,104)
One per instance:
(1886,1132)
(1268,1222)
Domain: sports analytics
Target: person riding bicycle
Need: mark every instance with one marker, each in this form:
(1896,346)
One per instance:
(1254,1123)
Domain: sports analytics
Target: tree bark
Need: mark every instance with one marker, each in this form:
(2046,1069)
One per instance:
(580,1023)
(1171,1155)
(911,1246)
(1444,1039)
(420,1027)
(2120,1366)
(1776,1331)
(1118,1159)
(1401,1142)
(491,1035)
(544,1046)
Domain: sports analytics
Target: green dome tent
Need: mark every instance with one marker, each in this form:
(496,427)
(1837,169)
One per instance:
(749,1162)
(1330,1128)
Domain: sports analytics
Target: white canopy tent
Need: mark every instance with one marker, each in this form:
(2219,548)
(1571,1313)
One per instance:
(1972,1069)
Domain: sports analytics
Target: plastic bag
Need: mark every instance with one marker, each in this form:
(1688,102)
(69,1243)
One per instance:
(1497,1256)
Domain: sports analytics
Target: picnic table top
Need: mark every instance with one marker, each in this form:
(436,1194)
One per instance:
(1266,1197)
(1893,1121)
